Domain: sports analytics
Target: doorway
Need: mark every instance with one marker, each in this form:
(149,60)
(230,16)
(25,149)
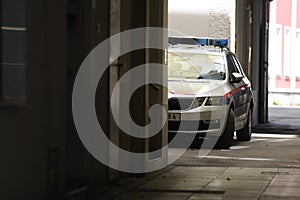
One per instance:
(284,64)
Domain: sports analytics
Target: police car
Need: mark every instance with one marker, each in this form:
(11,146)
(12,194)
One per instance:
(209,93)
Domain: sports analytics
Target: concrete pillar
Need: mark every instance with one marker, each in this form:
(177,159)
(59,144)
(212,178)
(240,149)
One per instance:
(244,35)
(260,59)
(126,15)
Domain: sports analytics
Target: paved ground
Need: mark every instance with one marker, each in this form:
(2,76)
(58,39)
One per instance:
(220,183)
(267,167)
(285,115)
(282,120)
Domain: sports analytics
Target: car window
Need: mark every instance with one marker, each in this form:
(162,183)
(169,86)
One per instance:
(232,67)
(238,64)
(196,66)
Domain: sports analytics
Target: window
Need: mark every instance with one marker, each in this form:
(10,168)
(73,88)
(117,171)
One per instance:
(295,53)
(275,50)
(196,66)
(12,51)
(233,64)
(238,65)
(287,52)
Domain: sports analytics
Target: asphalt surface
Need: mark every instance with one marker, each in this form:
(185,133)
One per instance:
(282,120)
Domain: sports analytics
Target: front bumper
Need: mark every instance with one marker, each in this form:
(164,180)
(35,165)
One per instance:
(205,119)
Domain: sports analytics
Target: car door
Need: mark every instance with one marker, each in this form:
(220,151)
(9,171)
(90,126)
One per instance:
(237,89)
(245,91)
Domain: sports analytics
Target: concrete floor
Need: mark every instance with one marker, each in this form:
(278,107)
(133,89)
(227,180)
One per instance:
(220,183)
(267,167)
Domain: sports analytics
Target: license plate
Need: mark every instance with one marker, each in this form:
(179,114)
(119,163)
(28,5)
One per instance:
(174,117)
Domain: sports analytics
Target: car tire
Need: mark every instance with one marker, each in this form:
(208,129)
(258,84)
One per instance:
(226,139)
(245,133)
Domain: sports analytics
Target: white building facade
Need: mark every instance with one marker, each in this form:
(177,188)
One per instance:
(284,53)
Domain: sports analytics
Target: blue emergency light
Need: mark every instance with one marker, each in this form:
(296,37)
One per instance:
(221,42)
(198,41)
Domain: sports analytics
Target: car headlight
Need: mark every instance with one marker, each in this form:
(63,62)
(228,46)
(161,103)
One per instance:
(215,101)
(198,102)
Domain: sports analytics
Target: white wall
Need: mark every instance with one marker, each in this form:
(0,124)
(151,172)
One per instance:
(203,18)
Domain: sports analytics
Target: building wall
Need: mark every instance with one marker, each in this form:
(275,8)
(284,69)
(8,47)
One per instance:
(42,156)
(284,41)
(215,19)
(87,26)
(33,131)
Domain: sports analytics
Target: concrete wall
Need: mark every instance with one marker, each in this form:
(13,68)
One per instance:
(83,172)
(33,134)
(41,155)
(215,19)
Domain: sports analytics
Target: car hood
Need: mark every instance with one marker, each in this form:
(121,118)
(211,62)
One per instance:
(197,88)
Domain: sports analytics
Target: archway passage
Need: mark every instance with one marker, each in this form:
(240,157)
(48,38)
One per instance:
(284,43)
(284,64)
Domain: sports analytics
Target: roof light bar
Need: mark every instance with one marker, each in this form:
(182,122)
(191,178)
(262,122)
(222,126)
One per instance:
(221,42)
(198,41)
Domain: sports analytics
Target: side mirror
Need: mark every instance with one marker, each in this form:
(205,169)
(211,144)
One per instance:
(236,77)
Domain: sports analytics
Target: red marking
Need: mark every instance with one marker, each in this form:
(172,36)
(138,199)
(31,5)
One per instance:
(235,90)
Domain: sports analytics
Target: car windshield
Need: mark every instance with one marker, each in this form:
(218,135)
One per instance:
(196,66)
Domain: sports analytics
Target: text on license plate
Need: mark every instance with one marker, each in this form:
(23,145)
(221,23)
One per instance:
(174,117)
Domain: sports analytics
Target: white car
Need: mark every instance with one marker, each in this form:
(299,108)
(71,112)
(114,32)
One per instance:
(208,91)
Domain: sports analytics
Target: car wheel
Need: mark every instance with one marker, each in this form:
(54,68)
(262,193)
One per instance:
(245,133)
(226,139)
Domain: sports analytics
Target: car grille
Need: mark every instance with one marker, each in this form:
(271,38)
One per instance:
(193,125)
(180,103)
